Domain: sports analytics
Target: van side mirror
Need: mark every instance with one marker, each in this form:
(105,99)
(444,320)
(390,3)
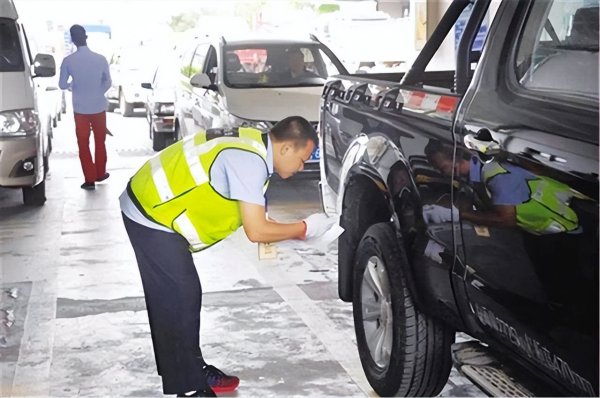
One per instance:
(44,65)
(147,85)
(201,80)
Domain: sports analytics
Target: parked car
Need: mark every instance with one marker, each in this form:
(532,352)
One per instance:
(129,68)
(24,131)
(226,82)
(469,199)
(52,98)
(160,106)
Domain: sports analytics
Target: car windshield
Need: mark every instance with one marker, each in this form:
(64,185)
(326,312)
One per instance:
(276,65)
(165,77)
(11,59)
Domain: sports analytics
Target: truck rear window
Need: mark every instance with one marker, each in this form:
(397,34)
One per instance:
(11,56)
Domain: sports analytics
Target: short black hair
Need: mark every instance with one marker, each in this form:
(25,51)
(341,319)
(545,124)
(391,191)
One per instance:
(436,147)
(78,35)
(295,129)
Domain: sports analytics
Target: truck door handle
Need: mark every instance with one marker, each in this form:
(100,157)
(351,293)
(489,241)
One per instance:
(544,156)
(486,147)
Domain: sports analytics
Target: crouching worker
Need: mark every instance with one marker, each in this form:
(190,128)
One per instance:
(188,197)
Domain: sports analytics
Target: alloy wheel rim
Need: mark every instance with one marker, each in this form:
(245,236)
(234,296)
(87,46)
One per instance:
(377,314)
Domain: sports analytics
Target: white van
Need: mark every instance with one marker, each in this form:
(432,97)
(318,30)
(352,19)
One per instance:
(24,139)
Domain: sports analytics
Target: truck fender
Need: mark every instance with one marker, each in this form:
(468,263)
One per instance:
(374,173)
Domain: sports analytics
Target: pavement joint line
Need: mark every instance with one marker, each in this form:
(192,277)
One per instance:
(340,347)
(32,371)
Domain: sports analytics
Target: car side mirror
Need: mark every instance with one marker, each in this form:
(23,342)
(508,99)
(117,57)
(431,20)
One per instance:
(147,86)
(202,80)
(44,65)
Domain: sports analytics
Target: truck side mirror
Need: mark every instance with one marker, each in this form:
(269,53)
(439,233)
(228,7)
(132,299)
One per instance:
(44,65)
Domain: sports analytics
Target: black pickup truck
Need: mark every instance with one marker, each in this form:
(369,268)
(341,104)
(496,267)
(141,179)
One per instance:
(469,199)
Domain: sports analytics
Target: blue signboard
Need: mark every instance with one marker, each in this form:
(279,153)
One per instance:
(459,27)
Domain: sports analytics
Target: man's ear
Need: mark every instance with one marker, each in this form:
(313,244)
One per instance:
(285,147)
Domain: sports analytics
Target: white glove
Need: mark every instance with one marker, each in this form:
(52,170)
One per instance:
(317,224)
(435,214)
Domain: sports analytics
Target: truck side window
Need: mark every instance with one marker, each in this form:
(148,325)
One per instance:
(558,49)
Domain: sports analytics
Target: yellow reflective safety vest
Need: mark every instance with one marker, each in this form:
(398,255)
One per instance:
(173,188)
(548,209)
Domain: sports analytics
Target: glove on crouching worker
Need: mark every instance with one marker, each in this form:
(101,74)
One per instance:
(317,224)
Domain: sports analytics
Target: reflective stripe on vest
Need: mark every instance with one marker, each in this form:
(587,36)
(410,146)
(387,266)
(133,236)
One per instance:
(192,156)
(185,225)
(160,179)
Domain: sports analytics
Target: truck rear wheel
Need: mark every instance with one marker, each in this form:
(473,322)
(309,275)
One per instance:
(403,351)
(35,196)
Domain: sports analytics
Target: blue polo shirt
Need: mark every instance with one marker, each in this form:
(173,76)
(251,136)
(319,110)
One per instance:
(90,79)
(235,174)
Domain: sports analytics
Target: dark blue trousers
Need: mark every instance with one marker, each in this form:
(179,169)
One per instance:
(173,300)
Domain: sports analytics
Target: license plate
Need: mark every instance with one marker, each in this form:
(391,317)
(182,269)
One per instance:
(316,154)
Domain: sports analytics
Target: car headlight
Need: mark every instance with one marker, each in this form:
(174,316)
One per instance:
(164,108)
(19,123)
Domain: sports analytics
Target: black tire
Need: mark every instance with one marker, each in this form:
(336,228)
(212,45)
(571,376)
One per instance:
(63,105)
(35,196)
(47,161)
(59,116)
(362,208)
(415,359)
(126,107)
(160,141)
(55,121)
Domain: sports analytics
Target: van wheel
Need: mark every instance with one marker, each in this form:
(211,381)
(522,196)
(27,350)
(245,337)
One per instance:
(402,351)
(126,107)
(160,141)
(47,161)
(63,103)
(35,196)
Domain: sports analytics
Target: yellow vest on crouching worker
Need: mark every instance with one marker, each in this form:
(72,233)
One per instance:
(173,188)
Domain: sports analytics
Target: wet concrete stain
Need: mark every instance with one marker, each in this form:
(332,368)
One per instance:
(70,308)
(83,231)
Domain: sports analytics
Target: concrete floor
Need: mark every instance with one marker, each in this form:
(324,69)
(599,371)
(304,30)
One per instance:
(72,314)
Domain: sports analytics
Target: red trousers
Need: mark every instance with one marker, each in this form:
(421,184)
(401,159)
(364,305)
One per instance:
(97,122)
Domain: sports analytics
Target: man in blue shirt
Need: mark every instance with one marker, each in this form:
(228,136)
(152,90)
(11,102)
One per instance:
(89,80)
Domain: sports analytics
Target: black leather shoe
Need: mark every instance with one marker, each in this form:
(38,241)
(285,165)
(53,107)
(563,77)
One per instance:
(200,393)
(88,186)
